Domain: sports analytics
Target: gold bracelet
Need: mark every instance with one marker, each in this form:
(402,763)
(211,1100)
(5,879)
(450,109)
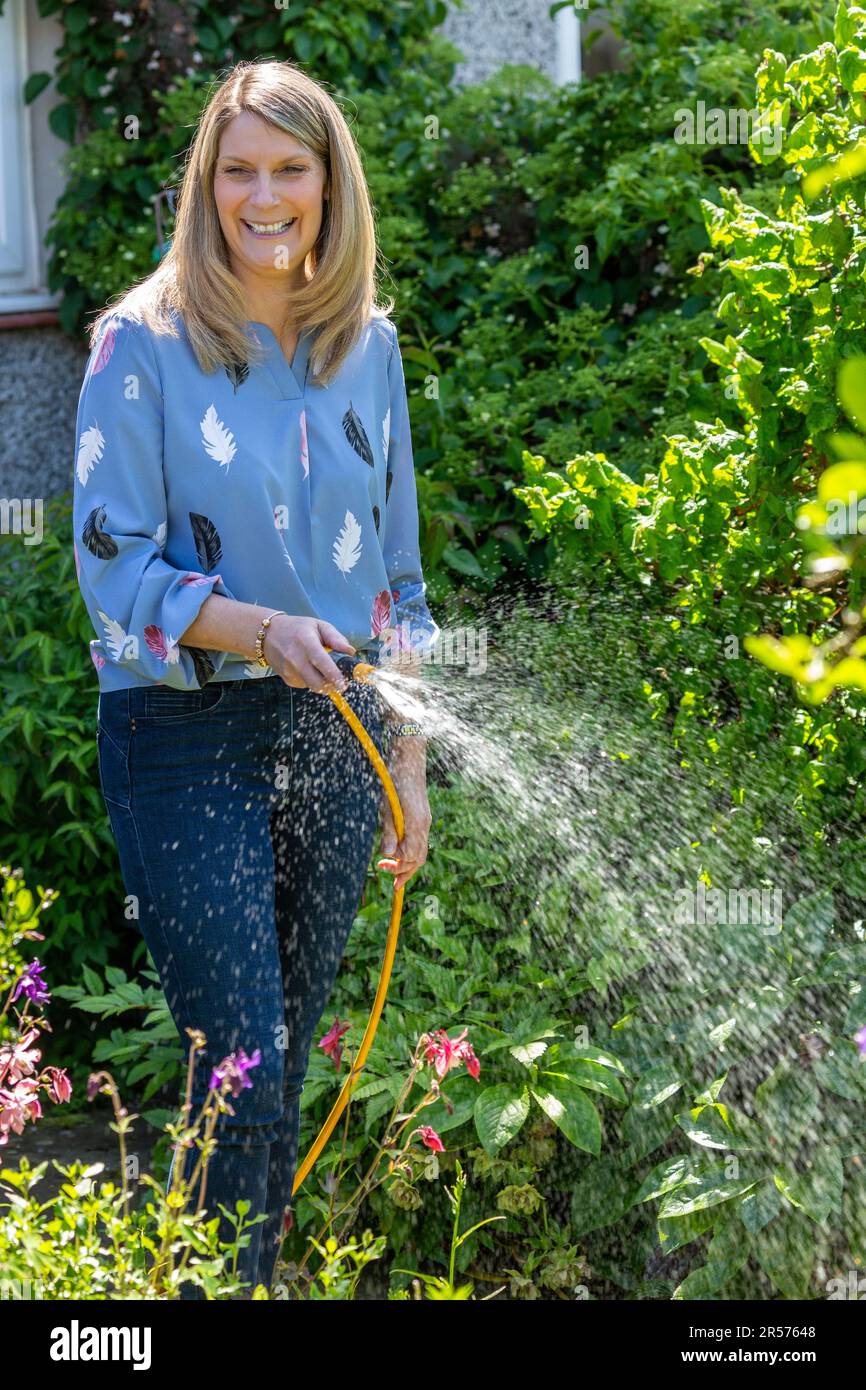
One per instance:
(260,639)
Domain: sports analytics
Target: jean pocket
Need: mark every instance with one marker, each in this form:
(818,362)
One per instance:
(112,719)
(113,765)
(164,704)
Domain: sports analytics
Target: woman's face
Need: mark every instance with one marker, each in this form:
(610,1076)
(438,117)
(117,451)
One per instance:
(265,177)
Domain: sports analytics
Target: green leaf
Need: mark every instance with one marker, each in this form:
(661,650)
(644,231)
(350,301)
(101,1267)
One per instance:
(712,1092)
(852,69)
(844,27)
(94,984)
(666,1176)
(463,1095)
(760,1206)
(727,1252)
(93,1006)
(62,121)
(592,1054)
(461,560)
(706,1126)
(36,83)
(572,1111)
(372,1088)
(788,1105)
(76,20)
(528,1053)
(657,1086)
(720,353)
(500,1112)
(786,1251)
(838,481)
(842,1072)
(675,1232)
(603,1193)
(710,1191)
(851,385)
(817,1190)
(847,446)
(591,1076)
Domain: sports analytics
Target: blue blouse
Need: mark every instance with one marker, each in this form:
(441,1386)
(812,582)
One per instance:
(249,483)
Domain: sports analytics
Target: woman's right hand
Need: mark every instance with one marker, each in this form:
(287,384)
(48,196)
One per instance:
(294,648)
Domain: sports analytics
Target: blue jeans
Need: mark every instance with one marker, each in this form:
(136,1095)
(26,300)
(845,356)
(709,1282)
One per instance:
(244,816)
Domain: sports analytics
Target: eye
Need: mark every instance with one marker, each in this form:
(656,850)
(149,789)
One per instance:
(236,169)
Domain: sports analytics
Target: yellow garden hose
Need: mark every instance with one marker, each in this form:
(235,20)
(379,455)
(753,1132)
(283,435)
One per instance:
(361,672)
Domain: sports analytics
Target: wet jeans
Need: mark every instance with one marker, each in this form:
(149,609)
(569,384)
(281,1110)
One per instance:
(244,815)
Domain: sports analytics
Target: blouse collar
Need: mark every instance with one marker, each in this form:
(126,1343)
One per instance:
(289,380)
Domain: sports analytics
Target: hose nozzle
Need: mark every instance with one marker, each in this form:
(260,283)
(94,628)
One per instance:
(352,667)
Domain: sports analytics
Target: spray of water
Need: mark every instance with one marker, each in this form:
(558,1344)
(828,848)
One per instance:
(683,906)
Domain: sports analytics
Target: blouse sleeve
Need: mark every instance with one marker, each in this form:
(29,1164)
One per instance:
(401,547)
(138,603)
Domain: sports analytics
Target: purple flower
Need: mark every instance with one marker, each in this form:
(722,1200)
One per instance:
(94,1083)
(234,1069)
(860,1040)
(31,984)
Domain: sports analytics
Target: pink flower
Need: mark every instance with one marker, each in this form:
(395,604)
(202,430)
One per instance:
(19,1059)
(431,1139)
(445,1053)
(473,1066)
(59,1085)
(331,1041)
(860,1040)
(17,1106)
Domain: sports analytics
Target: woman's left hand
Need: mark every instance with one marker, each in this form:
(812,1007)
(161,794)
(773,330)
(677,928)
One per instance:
(409,774)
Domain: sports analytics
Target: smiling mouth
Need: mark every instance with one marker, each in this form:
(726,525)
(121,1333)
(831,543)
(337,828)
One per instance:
(264,230)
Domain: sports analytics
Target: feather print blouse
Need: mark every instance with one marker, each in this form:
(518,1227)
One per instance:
(252,484)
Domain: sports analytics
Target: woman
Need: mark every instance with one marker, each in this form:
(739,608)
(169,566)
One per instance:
(244,497)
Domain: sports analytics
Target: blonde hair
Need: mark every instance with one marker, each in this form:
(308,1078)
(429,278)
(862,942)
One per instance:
(195,278)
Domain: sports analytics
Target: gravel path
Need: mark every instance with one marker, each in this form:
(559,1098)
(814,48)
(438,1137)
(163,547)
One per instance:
(75,1136)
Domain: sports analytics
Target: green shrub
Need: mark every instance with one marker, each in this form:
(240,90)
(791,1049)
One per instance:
(484,196)
(715,527)
(731,1048)
(116,58)
(52,815)
(740,1149)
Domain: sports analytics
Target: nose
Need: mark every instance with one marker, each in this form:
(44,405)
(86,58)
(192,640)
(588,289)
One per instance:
(263,194)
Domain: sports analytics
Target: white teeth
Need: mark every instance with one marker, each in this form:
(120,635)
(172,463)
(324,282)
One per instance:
(269,228)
